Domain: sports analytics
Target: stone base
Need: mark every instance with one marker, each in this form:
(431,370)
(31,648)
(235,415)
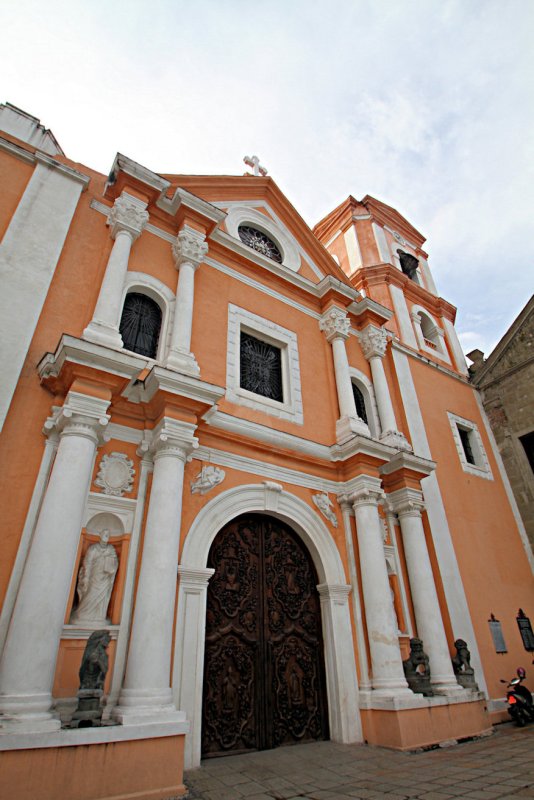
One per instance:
(434,720)
(183,362)
(103,334)
(347,427)
(107,763)
(397,440)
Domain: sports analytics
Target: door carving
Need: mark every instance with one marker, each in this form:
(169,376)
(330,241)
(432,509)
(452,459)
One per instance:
(264,682)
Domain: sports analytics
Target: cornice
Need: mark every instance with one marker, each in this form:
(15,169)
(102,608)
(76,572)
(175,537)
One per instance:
(370,307)
(387,273)
(396,344)
(39,157)
(176,383)
(408,461)
(78,351)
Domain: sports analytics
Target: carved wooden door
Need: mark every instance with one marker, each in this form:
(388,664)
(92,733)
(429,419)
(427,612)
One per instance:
(264,672)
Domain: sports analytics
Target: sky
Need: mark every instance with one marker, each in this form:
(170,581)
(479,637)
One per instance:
(427,105)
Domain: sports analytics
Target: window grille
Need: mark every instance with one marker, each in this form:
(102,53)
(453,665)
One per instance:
(258,240)
(261,367)
(140,324)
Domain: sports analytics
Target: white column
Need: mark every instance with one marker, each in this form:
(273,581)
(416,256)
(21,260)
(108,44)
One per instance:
(374,342)
(335,324)
(29,658)
(127,220)
(408,504)
(386,662)
(346,508)
(190,640)
(146,693)
(189,250)
(342,684)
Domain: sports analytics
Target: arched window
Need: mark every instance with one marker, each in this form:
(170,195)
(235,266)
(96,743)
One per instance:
(429,331)
(360,402)
(140,324)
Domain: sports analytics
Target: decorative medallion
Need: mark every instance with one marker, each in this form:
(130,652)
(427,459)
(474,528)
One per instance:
(326,507)
(260,242)
(115,474)
(207,479)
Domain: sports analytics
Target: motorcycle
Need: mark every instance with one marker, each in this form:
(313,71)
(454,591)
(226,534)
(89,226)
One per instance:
(519,699)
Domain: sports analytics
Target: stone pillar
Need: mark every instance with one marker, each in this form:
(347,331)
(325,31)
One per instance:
(146,693)
(335,324)
(386,662)
(127,220)
(346,508)
(374,342)
(189,249)
(189,655)
(343,707)
(408,504)
(29,657)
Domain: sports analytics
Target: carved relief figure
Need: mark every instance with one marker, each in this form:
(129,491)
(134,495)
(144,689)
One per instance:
(95,583)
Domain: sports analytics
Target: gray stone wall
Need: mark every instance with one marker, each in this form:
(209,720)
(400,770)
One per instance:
(507,390)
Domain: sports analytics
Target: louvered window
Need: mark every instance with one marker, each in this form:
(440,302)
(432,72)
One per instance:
(261,367)
(140,324)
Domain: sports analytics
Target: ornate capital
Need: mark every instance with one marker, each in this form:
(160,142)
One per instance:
(80,415)
(373,341)
(189,247)
(406,502)
(128,214)
(335,324)
(365,491)
(172,437)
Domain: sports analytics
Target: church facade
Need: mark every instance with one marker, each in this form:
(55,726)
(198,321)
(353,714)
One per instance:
(250,452)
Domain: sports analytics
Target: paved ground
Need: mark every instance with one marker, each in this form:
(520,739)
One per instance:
(501,765)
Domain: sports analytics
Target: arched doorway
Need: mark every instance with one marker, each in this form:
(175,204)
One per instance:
(264,677)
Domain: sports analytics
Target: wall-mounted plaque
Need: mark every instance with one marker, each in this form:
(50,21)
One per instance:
(497,636)
(525,629)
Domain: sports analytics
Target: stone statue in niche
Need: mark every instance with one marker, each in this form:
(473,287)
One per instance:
(93,671)
(417,669)
(95,584)
(461,663)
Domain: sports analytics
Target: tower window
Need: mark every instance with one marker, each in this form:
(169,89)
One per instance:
(140,324)
(359,400)
(409,265)
(261,367)
(466,444)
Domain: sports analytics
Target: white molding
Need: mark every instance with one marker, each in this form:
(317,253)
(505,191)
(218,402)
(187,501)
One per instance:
(291,407)
(88,736)
(353,248)
(367,389)
(338,646)
(396,344)
(458,608)
(144,283)
(440,350)
(260,287)
(458,353)
(244,215)
(403,315)
(382,243)
(262,204)
(121,507)
(482,466)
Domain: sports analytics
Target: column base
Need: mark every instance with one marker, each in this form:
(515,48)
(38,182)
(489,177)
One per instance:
(396,439)
(139,706)
(99,333)
(27,713)
(347,427)
(183,362)
(448,689)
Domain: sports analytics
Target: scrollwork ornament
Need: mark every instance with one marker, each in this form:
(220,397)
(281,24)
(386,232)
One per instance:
(189,247)
(115,474)
(335,324)
(326,507)
(374,342)
(127,215)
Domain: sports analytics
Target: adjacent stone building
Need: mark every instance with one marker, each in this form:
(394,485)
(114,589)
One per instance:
(506,382)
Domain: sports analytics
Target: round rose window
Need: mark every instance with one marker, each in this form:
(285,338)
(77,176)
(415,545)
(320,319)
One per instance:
(259,242)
